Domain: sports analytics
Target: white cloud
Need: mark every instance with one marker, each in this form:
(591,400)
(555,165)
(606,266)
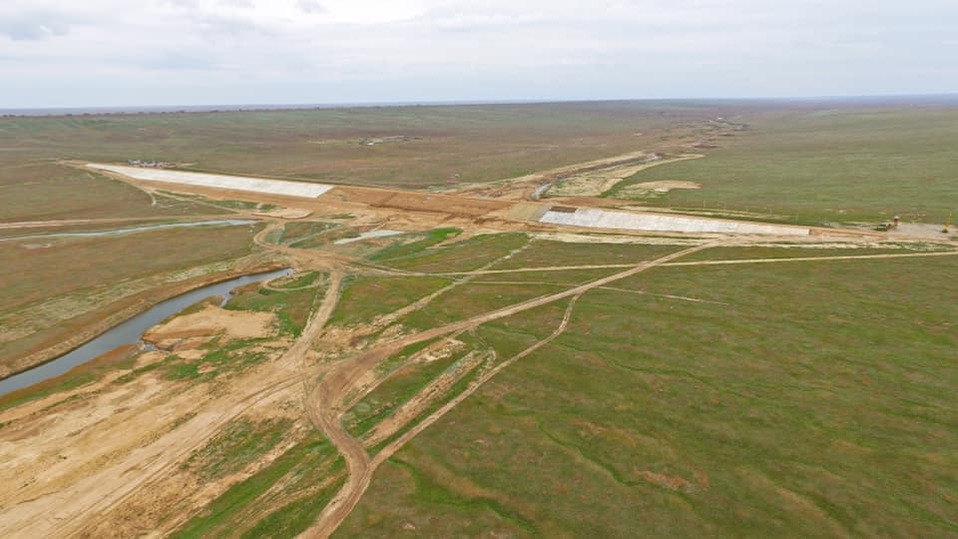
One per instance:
(228,51)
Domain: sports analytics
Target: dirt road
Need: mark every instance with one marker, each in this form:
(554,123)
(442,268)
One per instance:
(810,259)
(325,403)
(398,444)
(73,509)
(327,390)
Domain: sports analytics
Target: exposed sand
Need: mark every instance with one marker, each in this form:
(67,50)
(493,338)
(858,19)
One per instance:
(595,183)
(213,321)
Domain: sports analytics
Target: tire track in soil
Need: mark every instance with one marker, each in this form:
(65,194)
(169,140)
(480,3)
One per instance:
(325,403)
(407,436)
(84,499)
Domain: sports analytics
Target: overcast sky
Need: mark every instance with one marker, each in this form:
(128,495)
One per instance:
(193,52)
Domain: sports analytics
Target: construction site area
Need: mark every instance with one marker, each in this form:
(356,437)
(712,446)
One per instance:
(553,354)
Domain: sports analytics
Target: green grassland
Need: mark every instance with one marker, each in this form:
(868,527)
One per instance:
(545,253)
(461,256)
(806,399)
(470,300)
(364,298)
(828,165)
(405,382)
(566,278)
(404,249)
(297,281)
(787,399)
(796,251)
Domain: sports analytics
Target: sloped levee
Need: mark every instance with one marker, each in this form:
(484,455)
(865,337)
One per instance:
(220,181)
(617,220)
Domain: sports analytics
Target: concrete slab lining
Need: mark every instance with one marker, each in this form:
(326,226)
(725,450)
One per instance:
(595,218)
(219,181)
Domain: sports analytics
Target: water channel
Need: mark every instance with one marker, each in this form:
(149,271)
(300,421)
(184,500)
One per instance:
(131,331)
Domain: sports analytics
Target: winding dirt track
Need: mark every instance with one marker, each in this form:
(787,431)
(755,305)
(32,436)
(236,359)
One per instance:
(327,390)
(698,263)
(398,444)
(325,403)
(73,506)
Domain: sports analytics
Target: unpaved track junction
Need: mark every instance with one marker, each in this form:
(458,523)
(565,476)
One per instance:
(71,499)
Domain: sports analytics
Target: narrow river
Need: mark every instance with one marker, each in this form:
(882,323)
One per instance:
(131,331)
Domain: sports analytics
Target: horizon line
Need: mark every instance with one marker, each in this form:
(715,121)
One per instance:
(254,107)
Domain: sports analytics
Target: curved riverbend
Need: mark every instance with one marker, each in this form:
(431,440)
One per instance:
(131,331)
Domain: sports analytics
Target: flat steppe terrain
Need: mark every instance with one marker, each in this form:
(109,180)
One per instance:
(442,363)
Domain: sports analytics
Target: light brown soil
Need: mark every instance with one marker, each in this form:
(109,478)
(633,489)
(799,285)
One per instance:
(595,183)
(523,187)
(123,439)
(284,213)
(210,322)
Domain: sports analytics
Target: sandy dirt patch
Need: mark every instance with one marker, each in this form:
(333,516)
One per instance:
(593,183)
(922,230)
(655,189)
(285,213)
(209,322)
(668,185)
(532,186)
(433,391)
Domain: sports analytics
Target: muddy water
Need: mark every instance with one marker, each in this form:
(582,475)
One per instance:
(131,331)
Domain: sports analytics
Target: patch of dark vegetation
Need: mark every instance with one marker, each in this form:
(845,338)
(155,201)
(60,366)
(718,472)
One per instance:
(365,298)
(292,307)
(221,359)
(294,474)
(240,443)
(464,255)
(430,491)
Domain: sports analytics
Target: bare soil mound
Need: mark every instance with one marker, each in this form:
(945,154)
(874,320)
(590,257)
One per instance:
(212,321)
